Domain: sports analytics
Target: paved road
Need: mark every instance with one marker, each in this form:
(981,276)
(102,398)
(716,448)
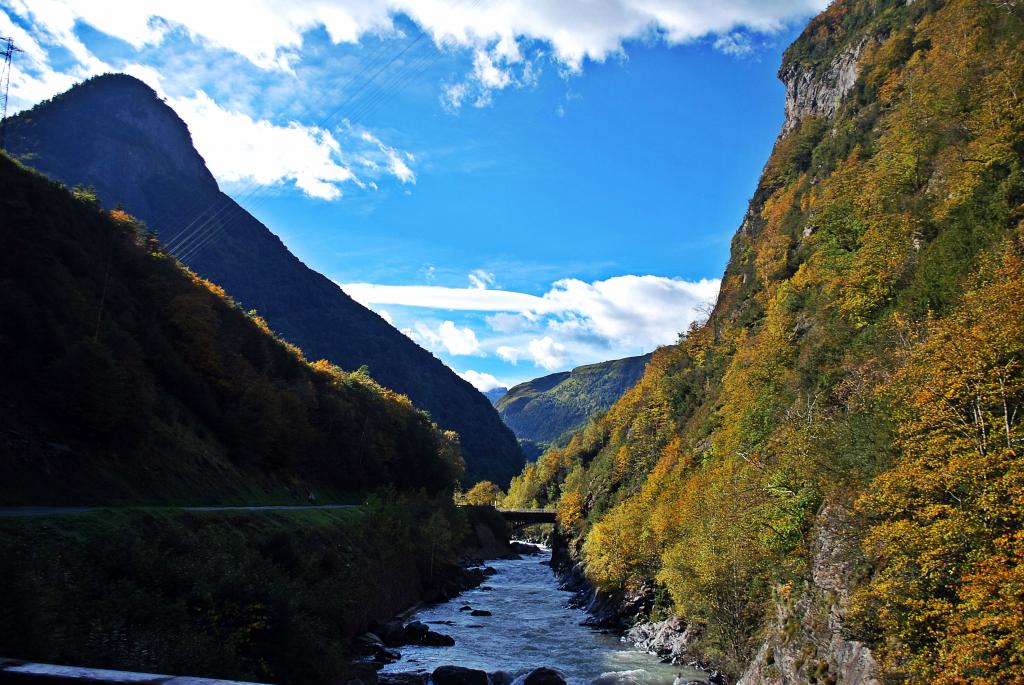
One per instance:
(56,511)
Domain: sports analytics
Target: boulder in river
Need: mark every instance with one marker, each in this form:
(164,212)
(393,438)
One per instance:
(465,607)
(480,612)
(391,633)
(432,639)
(414,632)
(544,676)
(458,675)
(502,678)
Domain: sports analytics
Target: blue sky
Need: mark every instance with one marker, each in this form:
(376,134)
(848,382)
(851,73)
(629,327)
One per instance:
(521,187)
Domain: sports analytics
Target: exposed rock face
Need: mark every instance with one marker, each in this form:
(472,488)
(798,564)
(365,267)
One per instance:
(806,640)
(811,93)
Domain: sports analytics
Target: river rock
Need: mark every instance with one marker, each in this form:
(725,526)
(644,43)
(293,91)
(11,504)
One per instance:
(544,676)
(480,612)
(465,607)
(458,675)
(414,632)
(668,639)
(432,639)
(391,633)
(525,548)
(501,678)
(490,571)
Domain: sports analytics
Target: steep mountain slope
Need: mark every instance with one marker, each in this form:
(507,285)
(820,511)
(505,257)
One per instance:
(113,133)
(825,481)
(545,408)
(128,379)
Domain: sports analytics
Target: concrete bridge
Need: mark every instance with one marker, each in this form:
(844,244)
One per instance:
(519,518)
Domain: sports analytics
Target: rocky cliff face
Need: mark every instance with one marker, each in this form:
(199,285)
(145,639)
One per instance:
(811,93)
(805,642)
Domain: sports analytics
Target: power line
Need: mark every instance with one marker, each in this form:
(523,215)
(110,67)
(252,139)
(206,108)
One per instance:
(5,85)
(200,232)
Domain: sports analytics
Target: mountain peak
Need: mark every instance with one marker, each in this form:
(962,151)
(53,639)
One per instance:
(121,129)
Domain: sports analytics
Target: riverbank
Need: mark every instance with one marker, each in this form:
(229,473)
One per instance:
(629,614)
(272,596)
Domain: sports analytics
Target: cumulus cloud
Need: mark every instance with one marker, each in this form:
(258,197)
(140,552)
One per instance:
(574,321)
(482,381)
(644,311)
(509,353)
(547,353)
(239,149)
(458,341)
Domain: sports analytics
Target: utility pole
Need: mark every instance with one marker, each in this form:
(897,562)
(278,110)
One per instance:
(7,49)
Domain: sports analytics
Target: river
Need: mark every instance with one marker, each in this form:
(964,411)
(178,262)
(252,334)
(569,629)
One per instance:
(531,625)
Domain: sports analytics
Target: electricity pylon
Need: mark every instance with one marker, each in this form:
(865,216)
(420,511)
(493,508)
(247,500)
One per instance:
(7,51)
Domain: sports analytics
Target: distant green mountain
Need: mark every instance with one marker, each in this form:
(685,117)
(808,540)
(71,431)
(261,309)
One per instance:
(113,133)
(495,394)
(128,379)
(541,410)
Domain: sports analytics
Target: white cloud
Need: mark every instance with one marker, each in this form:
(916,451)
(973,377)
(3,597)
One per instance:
(271,34)
(509,353)
(643,311)
(547,353)
(239,149)
(395,161)
(574,321)
(440,297)
(481,279)
(737,44)
(457,341)
(482,381)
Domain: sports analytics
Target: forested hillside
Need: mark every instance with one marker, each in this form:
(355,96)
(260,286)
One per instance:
(834,461)
(129,379)
(114,134)
(545,408)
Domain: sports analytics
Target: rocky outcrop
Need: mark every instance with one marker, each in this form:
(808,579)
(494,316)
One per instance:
(819,92)
(668,639)
(805,641)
